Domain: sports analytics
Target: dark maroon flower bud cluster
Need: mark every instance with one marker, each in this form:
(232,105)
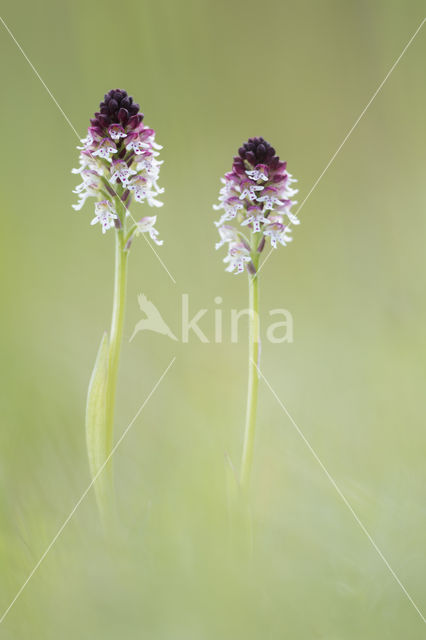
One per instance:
(117,107)
(258,151)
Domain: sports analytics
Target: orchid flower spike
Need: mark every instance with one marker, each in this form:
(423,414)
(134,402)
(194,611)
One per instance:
(256,195)
(118,162)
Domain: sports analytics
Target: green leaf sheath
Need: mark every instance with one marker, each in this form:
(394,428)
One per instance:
(96,421)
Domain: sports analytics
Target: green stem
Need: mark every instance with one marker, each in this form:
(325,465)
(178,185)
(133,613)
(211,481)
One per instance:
(253,374)
(120,280)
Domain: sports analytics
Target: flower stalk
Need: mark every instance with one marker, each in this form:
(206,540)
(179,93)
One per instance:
(254,348)
(116,333)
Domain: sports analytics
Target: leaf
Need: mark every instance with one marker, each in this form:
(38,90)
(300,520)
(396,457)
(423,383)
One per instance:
(96,422)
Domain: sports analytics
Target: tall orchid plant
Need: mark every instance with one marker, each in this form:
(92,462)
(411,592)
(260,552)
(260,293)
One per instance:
(118,164)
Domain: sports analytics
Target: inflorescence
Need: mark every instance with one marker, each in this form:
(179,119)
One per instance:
(118,162)
(256,194)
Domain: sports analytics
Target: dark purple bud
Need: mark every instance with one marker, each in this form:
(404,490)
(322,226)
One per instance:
(96,130)
(112,106)
(260,153)
(125,103)
(279,177)
(117,223)
(239,168)
(123,115)
(103,120)
(251,268)
(110,190)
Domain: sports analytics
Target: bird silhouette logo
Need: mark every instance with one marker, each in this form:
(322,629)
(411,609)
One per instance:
(153,320)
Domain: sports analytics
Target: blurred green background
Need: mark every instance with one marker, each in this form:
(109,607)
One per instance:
(209,74)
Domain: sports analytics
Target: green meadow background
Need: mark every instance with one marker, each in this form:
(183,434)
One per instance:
(209,74)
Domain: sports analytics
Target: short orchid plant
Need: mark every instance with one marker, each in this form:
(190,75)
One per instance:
(255,201)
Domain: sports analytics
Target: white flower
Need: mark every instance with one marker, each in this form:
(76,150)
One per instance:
(255,217)
(104,214)
(227,234)
(105,149)
(144,189)
(149,164)
(231,206)
(269,201)
(277,233)
(86,162)
(89,139)
(288,192)
(292,217)
(116,131)
(88,188)
(139,187)
(138,146)
(146,225)
(237,257)
(258,174)
(153,202)
(250,192)
(120,171)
